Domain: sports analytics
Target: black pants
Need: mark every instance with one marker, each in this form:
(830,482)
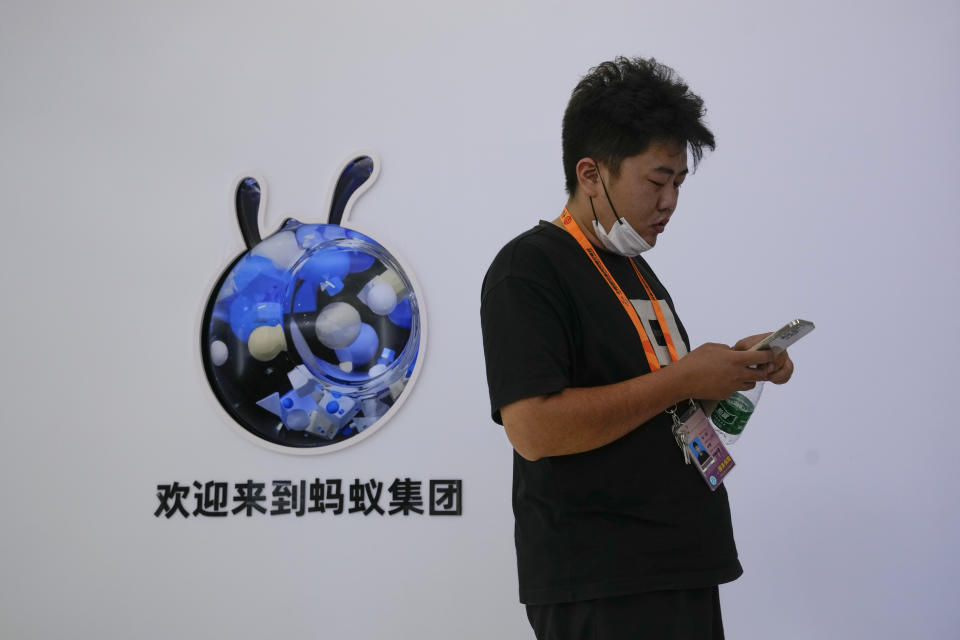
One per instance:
(688,614)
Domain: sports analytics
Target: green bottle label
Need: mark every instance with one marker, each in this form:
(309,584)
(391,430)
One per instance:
(731,415)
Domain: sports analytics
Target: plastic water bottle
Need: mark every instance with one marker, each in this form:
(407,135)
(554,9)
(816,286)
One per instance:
(730,416)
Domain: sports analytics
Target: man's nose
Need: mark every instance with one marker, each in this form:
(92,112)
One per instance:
(668,199)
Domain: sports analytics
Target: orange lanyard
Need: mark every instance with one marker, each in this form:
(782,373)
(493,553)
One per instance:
(574,229)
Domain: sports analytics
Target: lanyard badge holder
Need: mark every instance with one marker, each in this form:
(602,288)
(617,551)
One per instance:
(695,436)
(700,444)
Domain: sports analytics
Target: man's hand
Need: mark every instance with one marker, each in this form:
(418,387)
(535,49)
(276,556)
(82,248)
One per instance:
(780,369)
(714,371)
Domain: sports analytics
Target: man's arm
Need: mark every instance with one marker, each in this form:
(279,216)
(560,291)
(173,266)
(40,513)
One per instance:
(581,419)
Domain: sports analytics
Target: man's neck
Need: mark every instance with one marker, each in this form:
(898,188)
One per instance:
(580,211)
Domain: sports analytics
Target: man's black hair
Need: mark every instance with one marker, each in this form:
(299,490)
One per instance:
(620,107)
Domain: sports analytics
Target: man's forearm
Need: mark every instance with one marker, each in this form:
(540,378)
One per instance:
(581,419)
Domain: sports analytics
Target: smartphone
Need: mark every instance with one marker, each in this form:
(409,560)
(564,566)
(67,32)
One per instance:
(785,336)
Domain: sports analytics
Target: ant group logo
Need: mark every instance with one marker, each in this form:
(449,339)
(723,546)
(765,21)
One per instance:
(311,337)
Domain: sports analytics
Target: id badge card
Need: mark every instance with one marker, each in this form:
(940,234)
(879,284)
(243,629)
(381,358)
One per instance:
(701,446)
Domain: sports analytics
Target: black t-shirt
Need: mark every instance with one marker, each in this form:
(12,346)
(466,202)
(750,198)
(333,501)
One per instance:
(627,517)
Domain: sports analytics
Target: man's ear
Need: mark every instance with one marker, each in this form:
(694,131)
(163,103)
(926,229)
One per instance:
(588,178)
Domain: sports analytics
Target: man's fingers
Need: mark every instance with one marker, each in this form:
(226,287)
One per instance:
(782,374)
(753,358)
(755,375)
(749,341)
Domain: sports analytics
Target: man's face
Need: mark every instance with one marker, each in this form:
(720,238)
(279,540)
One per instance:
(645,191)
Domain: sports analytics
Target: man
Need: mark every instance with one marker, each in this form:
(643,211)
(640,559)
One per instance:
(616,536)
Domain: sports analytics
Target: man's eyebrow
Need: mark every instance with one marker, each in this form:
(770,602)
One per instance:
(668,171)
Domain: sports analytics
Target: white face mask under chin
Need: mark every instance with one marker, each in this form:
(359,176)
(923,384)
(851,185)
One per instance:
(623,239)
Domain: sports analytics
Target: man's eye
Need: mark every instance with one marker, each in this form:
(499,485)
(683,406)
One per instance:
(659,184)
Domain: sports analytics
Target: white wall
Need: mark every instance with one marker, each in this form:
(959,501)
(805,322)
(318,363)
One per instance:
(830,197)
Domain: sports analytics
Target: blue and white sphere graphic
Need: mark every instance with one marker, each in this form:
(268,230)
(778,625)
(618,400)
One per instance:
(311,336)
